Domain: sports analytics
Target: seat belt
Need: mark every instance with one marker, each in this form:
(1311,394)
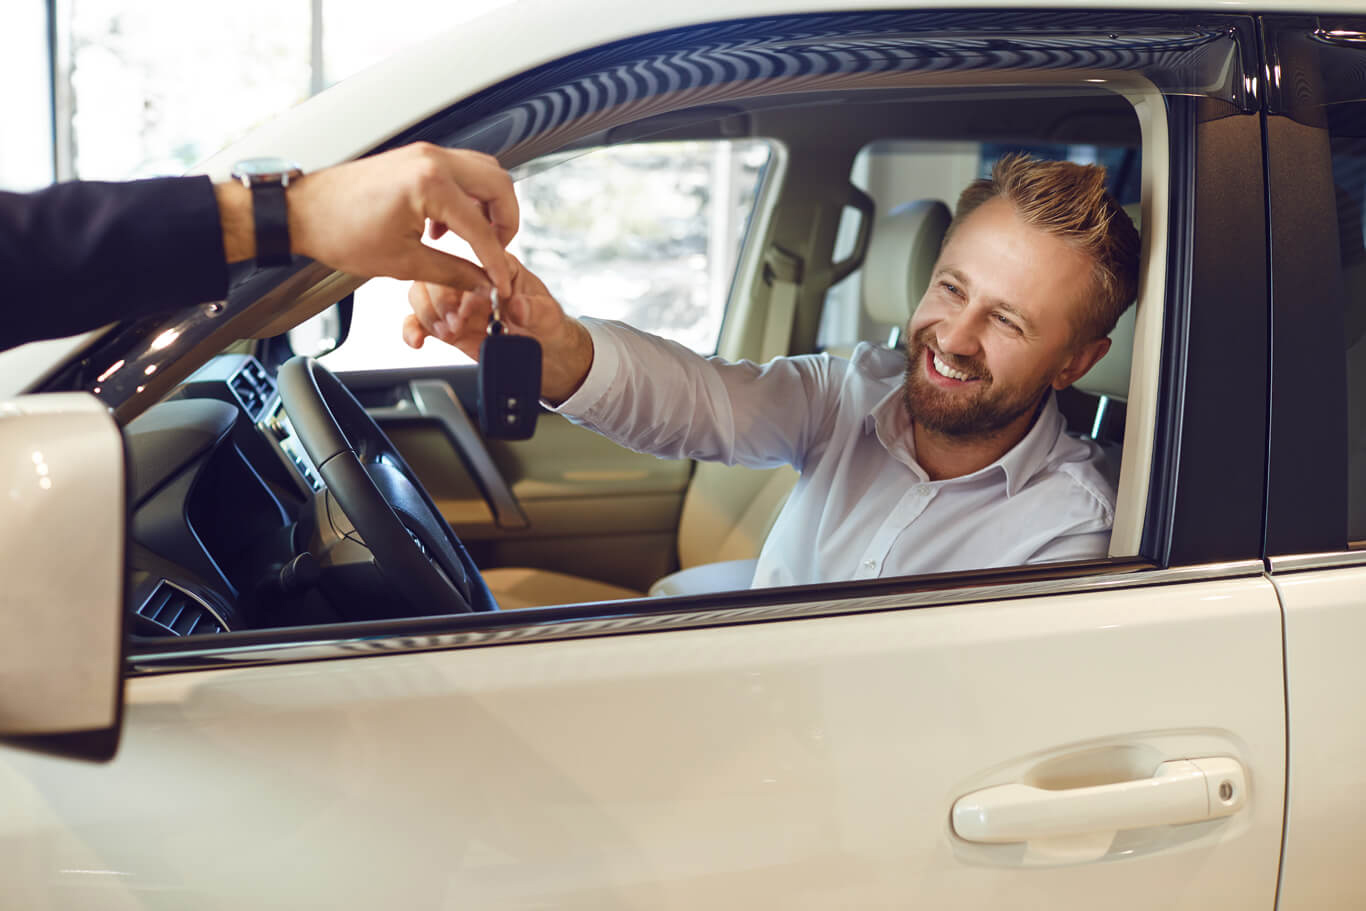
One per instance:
(783,274)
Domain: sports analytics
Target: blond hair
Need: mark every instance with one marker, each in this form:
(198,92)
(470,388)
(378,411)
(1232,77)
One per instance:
(1070,202)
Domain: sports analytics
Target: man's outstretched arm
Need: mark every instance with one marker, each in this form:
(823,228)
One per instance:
(77,255)
(644,392)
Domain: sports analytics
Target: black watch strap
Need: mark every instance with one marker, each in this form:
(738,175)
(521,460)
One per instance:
(267,179)
(271,218)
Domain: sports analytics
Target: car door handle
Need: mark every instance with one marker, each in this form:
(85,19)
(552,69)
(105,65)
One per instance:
(1180,791)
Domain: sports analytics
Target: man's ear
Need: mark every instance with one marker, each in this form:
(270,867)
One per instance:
(1082,360)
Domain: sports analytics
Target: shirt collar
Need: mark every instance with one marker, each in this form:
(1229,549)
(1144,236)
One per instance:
(889,421)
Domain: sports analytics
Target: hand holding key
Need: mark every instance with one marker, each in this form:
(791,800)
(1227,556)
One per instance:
(461,319)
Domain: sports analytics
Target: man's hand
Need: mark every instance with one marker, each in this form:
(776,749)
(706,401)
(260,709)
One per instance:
(461,318)
(367,217)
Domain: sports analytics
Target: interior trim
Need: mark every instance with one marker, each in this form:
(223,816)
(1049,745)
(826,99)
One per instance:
(434,399)
(626,617)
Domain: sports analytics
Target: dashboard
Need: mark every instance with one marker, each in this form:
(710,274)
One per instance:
(225,507)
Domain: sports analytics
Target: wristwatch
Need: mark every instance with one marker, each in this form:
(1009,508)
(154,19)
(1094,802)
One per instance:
(267,178)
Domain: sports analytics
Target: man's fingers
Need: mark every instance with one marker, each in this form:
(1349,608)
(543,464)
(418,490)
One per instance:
(413,333)
(483,177)
(424,307)
(463,215)
(427,264)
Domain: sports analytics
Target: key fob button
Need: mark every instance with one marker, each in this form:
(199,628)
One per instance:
(509,386)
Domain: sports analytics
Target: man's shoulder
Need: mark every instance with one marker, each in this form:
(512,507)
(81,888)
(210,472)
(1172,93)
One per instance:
(1083,474)
(876,363)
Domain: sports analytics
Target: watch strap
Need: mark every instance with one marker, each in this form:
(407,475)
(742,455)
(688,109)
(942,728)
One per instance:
(271,218)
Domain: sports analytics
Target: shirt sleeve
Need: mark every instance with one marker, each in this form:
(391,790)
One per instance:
(658,397)
(78,255)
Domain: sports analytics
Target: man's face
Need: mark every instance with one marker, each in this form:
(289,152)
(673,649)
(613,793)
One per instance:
(995,328)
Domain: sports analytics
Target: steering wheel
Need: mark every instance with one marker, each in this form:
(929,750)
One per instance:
(414,548)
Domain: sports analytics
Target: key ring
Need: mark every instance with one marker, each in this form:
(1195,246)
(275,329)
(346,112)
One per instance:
(496,326)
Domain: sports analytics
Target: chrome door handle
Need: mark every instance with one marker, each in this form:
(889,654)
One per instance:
(1180,791)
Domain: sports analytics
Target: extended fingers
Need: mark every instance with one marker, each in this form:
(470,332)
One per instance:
(469,193)
(430,304)
(414,334)
(484,178)
(448,205)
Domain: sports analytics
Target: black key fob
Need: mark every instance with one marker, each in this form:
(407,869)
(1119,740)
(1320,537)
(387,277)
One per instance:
(509,383)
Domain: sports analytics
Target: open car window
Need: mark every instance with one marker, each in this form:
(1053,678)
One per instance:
(781,133)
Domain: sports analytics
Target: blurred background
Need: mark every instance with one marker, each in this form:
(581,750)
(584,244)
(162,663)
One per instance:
(116,89)
(121,89)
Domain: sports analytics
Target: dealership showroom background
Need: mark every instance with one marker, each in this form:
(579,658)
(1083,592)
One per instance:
(118,89)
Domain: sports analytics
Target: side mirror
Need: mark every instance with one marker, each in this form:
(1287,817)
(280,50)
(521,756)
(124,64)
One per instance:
(324,332)
(62,538)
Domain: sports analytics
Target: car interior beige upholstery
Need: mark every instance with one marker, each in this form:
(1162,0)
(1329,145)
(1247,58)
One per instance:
(1110,375)
(729,510)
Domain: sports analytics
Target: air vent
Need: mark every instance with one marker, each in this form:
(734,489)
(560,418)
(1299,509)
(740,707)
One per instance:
(172,611)
(253,387)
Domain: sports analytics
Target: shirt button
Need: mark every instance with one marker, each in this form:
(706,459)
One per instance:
(870,564)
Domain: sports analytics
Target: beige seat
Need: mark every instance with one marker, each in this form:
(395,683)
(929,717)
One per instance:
(729,510)
(1110,375)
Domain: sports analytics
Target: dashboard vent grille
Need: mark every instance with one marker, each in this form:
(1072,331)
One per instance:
(172,611)
(253,388)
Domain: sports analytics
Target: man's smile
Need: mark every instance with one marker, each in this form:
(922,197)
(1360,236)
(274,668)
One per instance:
(939,370)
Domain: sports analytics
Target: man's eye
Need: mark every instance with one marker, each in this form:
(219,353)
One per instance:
(951,288)
(1007,323)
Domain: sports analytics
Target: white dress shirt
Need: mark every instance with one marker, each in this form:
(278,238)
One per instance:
(863,507)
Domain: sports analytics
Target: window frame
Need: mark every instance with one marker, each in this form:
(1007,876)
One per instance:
(1188,531)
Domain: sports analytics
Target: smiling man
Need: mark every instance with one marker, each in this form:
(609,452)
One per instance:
(950,455)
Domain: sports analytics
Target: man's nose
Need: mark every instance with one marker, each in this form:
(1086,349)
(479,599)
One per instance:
(959,333)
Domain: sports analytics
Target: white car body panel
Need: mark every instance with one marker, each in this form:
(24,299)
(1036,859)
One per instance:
(800,764)
(1325,625)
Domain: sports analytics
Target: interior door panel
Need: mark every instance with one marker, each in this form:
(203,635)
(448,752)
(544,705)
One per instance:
(567,499)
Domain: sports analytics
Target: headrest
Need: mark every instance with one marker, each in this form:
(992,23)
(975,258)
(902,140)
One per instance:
(1110,375)
(901,257)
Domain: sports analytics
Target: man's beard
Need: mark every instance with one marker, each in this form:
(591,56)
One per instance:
(984,412)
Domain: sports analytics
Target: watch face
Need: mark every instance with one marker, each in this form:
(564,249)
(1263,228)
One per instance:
(265,168)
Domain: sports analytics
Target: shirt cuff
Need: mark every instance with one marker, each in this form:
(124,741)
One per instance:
(601,376)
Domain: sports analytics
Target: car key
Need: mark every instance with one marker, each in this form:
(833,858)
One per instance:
(509,381)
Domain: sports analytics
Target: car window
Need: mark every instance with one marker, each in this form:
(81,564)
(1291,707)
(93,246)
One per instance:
(770,136)
(647,232)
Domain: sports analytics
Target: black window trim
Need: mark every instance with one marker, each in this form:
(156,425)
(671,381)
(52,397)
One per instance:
(1307,465)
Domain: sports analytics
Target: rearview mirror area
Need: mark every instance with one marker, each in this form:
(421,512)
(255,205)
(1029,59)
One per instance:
(62,485)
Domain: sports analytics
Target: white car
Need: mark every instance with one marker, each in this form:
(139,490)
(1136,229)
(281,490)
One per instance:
(231,681)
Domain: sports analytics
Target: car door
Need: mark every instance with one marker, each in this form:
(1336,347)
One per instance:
(1107,734)
(1316,516)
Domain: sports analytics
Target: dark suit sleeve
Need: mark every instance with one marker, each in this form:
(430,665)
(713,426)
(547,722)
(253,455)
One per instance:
(78,255)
